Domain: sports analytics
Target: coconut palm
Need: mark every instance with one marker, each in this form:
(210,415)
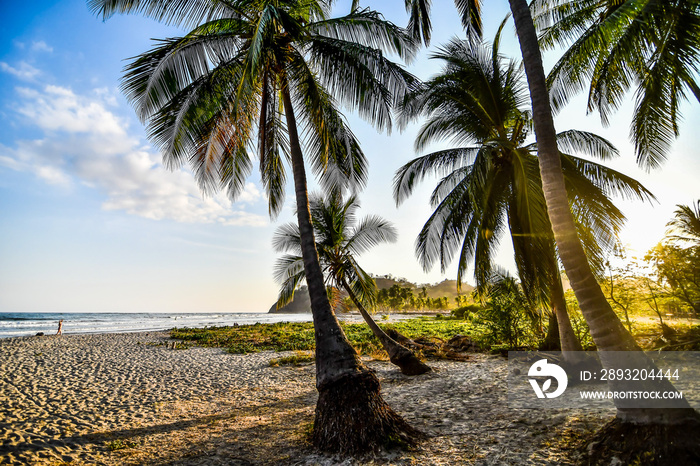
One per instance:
(340,237)
(615,46)
(607,331)
(685,226)
(268,73)
(494,185)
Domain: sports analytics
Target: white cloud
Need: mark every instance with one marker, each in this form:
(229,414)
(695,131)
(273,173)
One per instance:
(106,95)
(41,46)
(23,71)
(86,143)
(60,109)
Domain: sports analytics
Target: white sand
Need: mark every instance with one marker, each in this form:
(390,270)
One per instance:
(70,398)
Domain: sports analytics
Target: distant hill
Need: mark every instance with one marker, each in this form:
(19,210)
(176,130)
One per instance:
(302,303)
(437,290)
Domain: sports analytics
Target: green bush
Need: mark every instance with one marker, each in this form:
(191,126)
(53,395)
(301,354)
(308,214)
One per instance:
(466,312)
(506,324)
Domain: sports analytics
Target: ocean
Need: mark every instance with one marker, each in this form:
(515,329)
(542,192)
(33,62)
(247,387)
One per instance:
(22,324)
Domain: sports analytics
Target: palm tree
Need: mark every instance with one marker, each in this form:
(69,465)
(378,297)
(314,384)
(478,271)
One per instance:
(274,69)
(494,185)
(340,237)
(606,328)
(607,331)
(614,46)
(686,224)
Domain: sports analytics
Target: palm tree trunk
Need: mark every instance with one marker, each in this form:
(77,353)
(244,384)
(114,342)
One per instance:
(560,333)
(606,329)
(551,341)
(351,416)
(398,354)
(567,337)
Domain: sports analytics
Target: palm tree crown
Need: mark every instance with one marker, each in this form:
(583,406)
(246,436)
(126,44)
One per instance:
(340,238)
(685,226)
(205,95)
(494,185)
(614,46)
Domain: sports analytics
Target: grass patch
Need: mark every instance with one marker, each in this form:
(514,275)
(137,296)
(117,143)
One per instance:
(299,336)
(297,359)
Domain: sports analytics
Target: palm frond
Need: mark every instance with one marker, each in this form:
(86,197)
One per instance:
(621,45)
(273,144)
(289,272)
(368,28)
(151,79)
(183,13)
(287,239)
(583,142)
(369,232)
(361,78)
(332,148)
(437,163)
(419,24)
(470,12)
(609,182)
(685,226)
(201,125)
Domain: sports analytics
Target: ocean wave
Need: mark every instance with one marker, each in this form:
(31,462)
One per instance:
(25,324)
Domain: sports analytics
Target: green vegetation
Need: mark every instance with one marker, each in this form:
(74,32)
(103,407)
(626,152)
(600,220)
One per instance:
(299,336)
(494,327)
(297,359)
(403,298)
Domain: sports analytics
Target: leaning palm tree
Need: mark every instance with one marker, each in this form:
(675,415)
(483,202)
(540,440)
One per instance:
(607,331)
(494,185)
(685,226)
(606,328)
(267,73)
(340,237)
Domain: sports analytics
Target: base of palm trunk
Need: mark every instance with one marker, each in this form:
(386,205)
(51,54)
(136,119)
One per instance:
(649,444)
(352,418)
(551,341)
(409,364)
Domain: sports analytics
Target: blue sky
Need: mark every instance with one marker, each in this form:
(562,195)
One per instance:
(90,221)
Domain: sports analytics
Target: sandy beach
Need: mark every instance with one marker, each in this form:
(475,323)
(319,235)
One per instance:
(133,399)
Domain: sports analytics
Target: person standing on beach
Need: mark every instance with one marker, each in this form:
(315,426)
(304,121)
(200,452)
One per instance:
(60,327)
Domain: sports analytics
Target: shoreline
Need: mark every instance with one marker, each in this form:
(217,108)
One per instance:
(48,327)
(129,398)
